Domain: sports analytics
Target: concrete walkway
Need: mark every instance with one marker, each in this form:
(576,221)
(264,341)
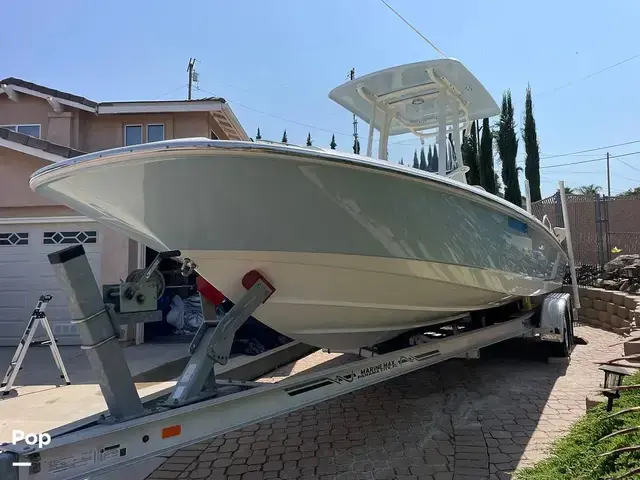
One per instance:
(39,404)
(459,420)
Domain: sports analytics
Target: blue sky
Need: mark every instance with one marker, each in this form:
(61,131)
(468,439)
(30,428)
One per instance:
(276,61)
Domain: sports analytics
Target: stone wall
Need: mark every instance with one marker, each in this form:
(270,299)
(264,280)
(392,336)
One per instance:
(610,310)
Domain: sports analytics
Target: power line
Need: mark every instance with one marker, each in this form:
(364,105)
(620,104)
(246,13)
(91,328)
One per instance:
(545,157)
(589,161)
(625,177)
(170,91)
(279,117)
(589,150)
(414,29)
(590,172)
(597,72)
(630,166)
(573,163)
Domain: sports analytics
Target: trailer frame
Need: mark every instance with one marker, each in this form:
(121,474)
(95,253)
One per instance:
(202,406)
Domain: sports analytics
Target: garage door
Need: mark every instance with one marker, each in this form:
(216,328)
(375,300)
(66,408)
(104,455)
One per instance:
(25,274)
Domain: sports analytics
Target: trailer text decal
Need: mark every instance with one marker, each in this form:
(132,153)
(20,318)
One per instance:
(383,367)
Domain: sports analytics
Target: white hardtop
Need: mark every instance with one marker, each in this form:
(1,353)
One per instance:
(410,93)
(434,98)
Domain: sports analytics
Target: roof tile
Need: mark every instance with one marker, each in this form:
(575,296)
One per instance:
(39,143)
(48,91)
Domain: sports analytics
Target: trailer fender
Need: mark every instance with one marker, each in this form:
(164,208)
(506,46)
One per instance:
(556,320)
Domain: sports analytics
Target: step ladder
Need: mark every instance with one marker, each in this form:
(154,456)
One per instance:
(26,341)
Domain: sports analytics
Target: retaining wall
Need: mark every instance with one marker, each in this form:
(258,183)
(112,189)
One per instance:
(607,309)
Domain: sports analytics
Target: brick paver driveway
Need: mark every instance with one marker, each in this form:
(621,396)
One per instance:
(457,420)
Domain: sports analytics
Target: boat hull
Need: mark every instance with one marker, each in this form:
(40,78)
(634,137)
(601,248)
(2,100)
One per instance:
(347,301)
(358,250)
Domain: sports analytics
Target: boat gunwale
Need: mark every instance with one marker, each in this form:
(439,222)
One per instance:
(57,170)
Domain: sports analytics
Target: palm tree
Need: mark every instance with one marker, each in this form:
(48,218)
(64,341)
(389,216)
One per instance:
(590,189)
(630,192)
(569,190)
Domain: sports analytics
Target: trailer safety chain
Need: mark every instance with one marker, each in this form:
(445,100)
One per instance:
(96,345)
(90,317)
(109,310)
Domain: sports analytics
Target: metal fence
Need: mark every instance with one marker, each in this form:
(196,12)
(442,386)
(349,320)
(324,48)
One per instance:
(601,228)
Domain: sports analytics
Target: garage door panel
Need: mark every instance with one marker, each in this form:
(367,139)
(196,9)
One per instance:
(13,301)
(25,274)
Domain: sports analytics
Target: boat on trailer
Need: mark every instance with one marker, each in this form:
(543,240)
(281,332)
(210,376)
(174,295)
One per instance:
(360,249)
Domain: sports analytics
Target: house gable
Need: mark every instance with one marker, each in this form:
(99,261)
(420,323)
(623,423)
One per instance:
(66,118)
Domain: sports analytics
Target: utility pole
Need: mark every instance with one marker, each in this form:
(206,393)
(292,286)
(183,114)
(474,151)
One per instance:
(192,62)
(356,145)
(608,177)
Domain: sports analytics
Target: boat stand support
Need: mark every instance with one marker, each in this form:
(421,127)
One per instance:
(98,332)
(213,344)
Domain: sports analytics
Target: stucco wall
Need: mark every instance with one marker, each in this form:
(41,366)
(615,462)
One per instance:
(192,124)
(42,211)
(28,110)
(103,132)
(115,256)
(15,170)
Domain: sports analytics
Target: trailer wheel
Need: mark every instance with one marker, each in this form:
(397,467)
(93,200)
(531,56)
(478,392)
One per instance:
(564,348)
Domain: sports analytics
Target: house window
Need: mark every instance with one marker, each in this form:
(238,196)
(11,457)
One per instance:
(32,130)
(66,238)
(12,239)
(213,136)
(155,133)
(132,135)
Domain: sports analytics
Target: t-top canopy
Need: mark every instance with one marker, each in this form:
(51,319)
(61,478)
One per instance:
(410,93)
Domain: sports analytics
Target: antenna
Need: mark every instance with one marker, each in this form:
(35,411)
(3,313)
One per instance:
(356,143)
(192,74)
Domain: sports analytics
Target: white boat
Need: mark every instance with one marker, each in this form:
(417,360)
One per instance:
(359,249)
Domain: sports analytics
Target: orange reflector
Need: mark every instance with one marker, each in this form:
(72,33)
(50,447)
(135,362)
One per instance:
(171,431)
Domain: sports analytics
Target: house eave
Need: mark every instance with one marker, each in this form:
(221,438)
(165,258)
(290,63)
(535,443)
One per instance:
(32,151)
(37,220)
(4,88)
(235,122)
(159,107)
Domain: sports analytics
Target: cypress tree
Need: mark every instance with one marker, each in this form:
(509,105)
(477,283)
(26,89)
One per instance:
(258,136)
(485,160)
(415,159)
(434,158)
(309,139)
(401,161)
(333,143)
(530,137)
(284,137)
(470,156)
(423,160)
(356,146)
(430,166)
(507,143)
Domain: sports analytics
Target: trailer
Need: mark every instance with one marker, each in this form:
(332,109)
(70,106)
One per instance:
(201,405)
